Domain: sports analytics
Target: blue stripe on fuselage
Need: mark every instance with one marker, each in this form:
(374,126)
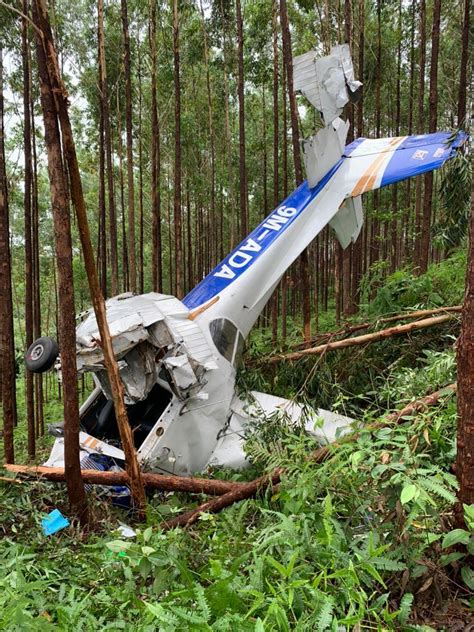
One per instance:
(259,240)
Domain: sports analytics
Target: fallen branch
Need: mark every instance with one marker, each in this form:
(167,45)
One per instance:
(349,329)
(420,404)
(248,490)
(398,330)
(154,481)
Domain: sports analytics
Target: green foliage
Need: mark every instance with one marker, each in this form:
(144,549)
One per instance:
(455,188)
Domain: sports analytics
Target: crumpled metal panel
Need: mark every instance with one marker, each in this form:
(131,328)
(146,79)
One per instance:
(325,81)
(148,332)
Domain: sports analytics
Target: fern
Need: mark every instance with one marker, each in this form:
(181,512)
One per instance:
(324,617)
(387,564)
(438,489)
(202,603)
(405,607)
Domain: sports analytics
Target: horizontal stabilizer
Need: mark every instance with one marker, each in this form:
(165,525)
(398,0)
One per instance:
(347,222)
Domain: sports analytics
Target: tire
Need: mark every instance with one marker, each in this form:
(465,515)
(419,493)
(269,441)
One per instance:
(41,355)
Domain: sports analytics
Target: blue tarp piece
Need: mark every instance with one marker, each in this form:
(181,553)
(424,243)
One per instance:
(55,521)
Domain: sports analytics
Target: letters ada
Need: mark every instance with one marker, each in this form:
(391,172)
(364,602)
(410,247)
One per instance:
(257,243)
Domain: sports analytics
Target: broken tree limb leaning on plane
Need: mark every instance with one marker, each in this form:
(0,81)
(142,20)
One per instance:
(178,359)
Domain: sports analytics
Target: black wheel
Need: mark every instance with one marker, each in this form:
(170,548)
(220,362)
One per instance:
(42,355)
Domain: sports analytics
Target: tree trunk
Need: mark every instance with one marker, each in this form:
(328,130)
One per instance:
(30,402)
(244,228)
(105,111)
(276,176)
(163,482)
(63,247)
(7,348)
(428,197)
(59,108)
(288,63)
(157,261)
(465,363)
(128,125)
(178,253)
(464,61)
(420,129)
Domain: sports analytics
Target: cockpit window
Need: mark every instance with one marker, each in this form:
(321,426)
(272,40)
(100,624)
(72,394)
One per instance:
(224,333)
(239,349)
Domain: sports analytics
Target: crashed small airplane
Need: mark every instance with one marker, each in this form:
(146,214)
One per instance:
(178,359)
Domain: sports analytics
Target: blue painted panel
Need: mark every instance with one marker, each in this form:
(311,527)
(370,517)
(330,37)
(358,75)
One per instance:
(419,154)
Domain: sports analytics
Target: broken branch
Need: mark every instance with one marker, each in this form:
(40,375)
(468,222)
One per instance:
(398,330)
(349,329)
(154,481)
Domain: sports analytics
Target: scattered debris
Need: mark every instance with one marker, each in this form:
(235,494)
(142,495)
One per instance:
(55,521)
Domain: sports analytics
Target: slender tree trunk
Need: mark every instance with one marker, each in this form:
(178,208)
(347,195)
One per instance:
(141,227)
(420,128)
(428,197)
(38,378)
(157,261)
(105,111)
(178,253)
(244,229)
(128,125)
(63,247)
(276,175)
(125,262)
(465,363)
(288,62)
(464,61)
(29,272)
(54,110)
(347,303)
(394,223)
(284,177)
(7,348)
(102,228)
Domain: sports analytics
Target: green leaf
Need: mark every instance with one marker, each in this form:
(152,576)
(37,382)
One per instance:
(405,608)
(117,546)
(469,515)
(444,560)
(457,536)
(148,550)
(467,574)
(408,493)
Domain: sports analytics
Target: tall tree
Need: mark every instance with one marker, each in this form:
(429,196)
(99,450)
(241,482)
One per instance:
(54,111)
(420,125)
(105,115)
(178,245)
(464,60)
(288,62)
(27,195)
(276,131)
(63,248)
(465,397)
(128,126)
(425,240)
(157,261)
(244,228)
(7,348)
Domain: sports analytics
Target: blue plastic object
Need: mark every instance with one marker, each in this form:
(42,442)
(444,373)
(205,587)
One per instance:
(55,521)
